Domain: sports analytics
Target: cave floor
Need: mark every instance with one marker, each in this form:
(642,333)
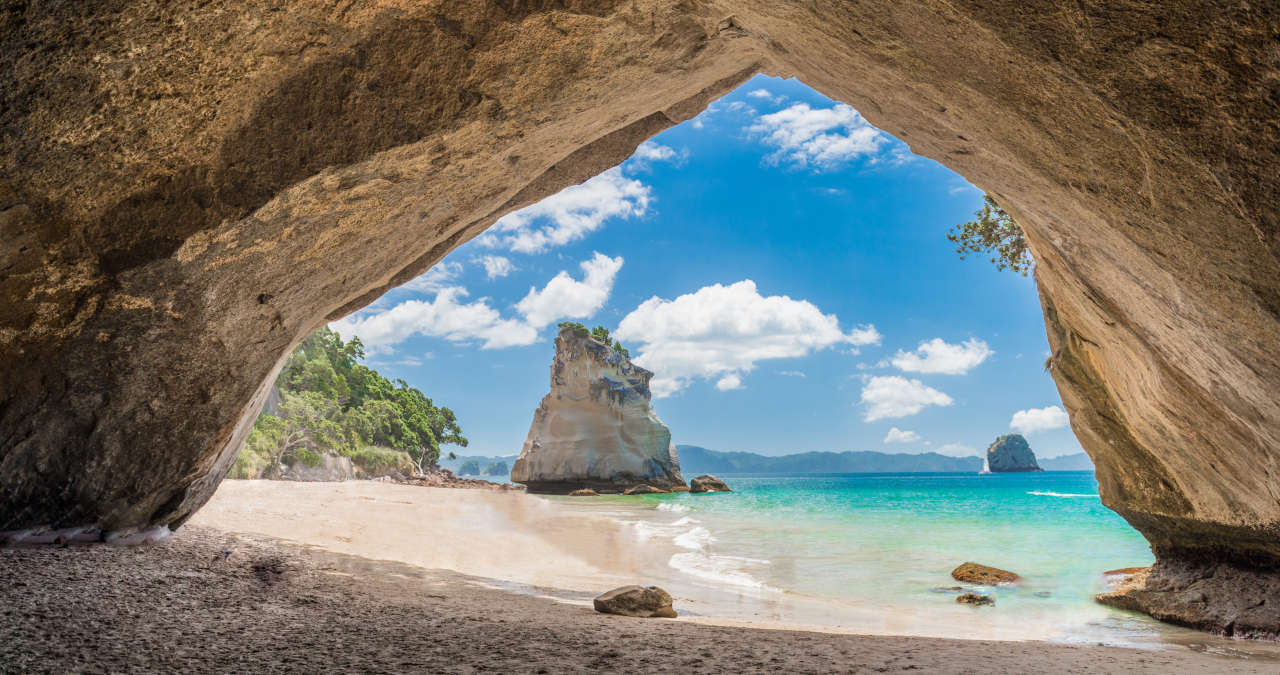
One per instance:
(209,601)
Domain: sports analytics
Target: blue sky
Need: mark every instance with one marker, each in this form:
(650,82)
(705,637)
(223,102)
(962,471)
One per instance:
(782,267)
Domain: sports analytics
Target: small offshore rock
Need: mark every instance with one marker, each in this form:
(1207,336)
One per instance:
(1011,454)
(708,483)
(586,492)
(977,599)
(644,490)
(680,488)
(641,601)
(973,573)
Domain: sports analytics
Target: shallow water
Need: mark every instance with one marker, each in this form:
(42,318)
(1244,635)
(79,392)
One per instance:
(872,553)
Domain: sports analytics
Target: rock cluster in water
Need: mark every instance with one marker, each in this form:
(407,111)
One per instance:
(708,483)
(1011,454)
(596,429)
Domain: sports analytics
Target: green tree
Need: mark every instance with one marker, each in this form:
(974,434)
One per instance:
(993,232)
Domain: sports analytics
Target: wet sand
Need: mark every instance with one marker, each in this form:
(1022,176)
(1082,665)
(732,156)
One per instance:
(230,598)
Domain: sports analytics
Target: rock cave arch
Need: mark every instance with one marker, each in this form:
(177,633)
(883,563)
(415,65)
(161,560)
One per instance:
(188,189)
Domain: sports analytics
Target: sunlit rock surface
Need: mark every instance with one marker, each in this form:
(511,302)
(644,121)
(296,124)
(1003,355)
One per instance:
(189,188)
(1011,454)
(596,429)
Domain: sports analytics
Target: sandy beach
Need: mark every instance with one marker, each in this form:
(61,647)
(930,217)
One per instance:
(266,580)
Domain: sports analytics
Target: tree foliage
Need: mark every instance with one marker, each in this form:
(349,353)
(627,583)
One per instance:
(993,232)
(599,333)
(469,468)
(333,404)
(498,468)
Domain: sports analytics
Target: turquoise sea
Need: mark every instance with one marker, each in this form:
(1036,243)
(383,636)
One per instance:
(873,553)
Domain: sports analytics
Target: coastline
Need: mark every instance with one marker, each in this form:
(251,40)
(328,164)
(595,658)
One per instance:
(273,606)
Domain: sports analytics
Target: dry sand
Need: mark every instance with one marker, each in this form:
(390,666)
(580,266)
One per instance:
(228,600)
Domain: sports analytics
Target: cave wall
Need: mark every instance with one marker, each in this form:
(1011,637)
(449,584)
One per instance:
(188,189)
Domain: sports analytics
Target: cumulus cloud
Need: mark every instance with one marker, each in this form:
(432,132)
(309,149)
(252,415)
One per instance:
(718,331)
(940,358)
(894,396)
(822,138)
(760,93)
(496,266)
(650,153)
(1039,419)
(566,298)
(449,316)
(897,435)
(446,316)
(434,279)
(730,381)
(570,214)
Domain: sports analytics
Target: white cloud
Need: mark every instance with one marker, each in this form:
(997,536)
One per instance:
(650,152)
(791,373)
(897,435)
(448,316)
(956,450)
(565,298)
(823,138)
(719,331)
(570,214)
(760,93)
(445,317)
(435,278)
(730,381)
(1039,419)
(895,396)
(496,266)
(938,357)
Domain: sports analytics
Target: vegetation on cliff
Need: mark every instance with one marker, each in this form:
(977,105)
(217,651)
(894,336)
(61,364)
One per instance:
(993,231)
(599,333)
(330,403)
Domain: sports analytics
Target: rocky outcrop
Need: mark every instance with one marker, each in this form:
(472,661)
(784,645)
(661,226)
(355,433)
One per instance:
(708,483)
(189,188)
(329,468)
(973,573)
(596,429)
(1011,454)
(975,599)
(584,493)
(644,490)
(641,601)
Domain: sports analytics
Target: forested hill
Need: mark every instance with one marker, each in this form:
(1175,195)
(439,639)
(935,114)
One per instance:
(695,460)
(331,404)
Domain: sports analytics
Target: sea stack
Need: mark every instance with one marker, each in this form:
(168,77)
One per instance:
(1011,454)
(595,429)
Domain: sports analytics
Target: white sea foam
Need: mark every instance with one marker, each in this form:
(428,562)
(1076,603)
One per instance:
(696,539)
(1060,494)
(674,508)
(720,569)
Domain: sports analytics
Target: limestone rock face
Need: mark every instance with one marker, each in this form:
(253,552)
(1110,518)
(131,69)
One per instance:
(596,429)
(187,189)
(1011,454)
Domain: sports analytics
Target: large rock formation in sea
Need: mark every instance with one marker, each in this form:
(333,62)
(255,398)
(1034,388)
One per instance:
(595,429)
(187,189)
(1011,454)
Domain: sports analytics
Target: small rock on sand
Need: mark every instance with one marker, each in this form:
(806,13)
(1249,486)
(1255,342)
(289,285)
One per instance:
(977,599)
(641,601)
(973,573)
(584,493)
(708,483)
(644,490)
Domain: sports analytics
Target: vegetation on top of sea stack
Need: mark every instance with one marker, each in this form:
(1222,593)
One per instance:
(330,403)
(993,231)
(599,333)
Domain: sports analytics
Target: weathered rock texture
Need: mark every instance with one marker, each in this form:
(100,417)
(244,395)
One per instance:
(188,188)
(641,601)
(974,573)
(707,483)
(595,429)
(1011,454)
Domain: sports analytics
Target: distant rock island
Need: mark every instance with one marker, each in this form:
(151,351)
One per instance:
(595,429)
(1011,454)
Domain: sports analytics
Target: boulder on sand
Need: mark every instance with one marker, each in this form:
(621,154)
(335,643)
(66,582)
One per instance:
(708,483)
(973,573)
(644,490)
(584,493)
(641,601)
(977,599)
